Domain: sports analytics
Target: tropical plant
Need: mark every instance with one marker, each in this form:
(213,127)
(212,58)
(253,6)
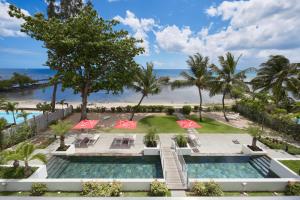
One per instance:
(158,189)
(186,110)
(25,152)
(23,115)
(278,76)
(62,103)
(181,140)
(93,189)
(151,138)
(226,79)
(207,189)
(21,80)
(44,107)
(255,132)
(38,189)
(3,124)
(93,56)
(61,129)
(147,83)
(198,75)
(293,188)
(11,107)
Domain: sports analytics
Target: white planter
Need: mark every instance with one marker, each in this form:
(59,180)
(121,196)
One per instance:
(40,173)
(186,151)
(151,151)
(248,151)
(69,151)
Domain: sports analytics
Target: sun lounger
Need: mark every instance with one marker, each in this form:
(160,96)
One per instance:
(79,143)
(93,140)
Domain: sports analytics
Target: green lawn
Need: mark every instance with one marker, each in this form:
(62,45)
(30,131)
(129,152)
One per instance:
(163,124)
(212,126)
(292,164)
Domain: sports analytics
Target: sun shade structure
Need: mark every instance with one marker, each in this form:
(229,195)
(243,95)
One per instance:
(188,124)
(86,124)
(126,124)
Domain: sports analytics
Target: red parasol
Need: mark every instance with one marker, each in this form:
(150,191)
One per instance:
(188,124)
(125,124)
(86,124)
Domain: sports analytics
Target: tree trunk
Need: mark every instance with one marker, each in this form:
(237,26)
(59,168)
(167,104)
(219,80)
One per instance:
(84,96)
(27,169)
(254,140)
(223,103)
(62,141)
(53,100)
(13,114)
(200,105)
(16,163)
(133,110)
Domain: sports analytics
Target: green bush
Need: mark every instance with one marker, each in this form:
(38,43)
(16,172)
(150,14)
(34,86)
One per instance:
(278,144)
(38,189)
(150,138)
(91,189)
(293,189)
(112,109)
(119,109)
(158,189)
(181,140)
(207,189)
(196,108)
(186,110)
(128,108)
(170,110)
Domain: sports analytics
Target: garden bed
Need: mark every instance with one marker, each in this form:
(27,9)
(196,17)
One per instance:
(14,173)
(277,144)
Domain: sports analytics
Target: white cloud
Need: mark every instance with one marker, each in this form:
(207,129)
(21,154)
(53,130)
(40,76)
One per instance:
(18,51)
(10,27)
(255,28)
(140,27)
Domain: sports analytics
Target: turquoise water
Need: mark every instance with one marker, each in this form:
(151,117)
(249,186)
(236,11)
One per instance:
(222,167)
(9,116)
(109,167)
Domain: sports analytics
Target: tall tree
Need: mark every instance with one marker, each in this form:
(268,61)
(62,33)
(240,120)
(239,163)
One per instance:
(86,50)
(226,79)
(23,115)
(146,83)
(198,76)
(11,107)
(279,77)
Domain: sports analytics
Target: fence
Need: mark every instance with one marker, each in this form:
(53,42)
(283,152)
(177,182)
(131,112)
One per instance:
(162,160)
(182,164)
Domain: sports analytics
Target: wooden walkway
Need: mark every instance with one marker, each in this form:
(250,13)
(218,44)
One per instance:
(173,174)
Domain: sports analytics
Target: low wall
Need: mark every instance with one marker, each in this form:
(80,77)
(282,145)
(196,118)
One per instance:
(40,173)
(151,151)
(73,184)
(262,184)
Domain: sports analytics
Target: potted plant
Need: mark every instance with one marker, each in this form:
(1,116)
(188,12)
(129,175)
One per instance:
(182,145)
(253,149)
(151,143)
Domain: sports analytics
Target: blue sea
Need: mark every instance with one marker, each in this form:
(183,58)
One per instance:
(179,96)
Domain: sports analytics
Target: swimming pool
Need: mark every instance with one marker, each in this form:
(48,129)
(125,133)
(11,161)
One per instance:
(9,117)
(228,167)
(105,167)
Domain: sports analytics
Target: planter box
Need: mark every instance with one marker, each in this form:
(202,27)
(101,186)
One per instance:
(248,151)
(40,173)
(69,151)
(151,151)
(185,151)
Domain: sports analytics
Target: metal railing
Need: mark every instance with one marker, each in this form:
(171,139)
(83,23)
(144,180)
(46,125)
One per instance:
(184,169)
(162,160)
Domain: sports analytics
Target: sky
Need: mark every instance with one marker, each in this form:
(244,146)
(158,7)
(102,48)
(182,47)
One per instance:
(174,29)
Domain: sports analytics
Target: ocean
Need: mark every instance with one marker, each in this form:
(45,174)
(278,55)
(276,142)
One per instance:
(187,95)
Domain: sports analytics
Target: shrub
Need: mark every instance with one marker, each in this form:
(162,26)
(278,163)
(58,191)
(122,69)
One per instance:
(151,138)
(186,110)
(158,189)
(119,109)
(207,189)
(196,108)
(292,189)
(170,110)
(38,189)
(128,108)
(181,140)
(91,189)
(112,109)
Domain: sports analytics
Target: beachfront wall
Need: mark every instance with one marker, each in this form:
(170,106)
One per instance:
(73,184)
(248,185)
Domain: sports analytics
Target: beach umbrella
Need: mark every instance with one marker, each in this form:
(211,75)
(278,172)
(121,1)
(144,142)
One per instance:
(86,124)
(126,124)
(186,123)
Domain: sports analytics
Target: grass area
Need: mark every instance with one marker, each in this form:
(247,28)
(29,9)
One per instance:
(292,164)
(212,126)
(13,173)
(277,144)
(163,124)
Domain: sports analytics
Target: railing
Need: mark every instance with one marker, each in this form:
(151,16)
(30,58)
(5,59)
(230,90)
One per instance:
(162,160)
(182,164)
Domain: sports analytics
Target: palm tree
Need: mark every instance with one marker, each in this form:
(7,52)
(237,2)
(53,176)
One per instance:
(198,76)
(11,107)
(147,83)
(44,107)
(23,115)
(279,76)
(60,129)
(255,132)
(24,152)
(226,79)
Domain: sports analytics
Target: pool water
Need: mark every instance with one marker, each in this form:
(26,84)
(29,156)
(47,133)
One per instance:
(9,117)
(107,167)
(223,167)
